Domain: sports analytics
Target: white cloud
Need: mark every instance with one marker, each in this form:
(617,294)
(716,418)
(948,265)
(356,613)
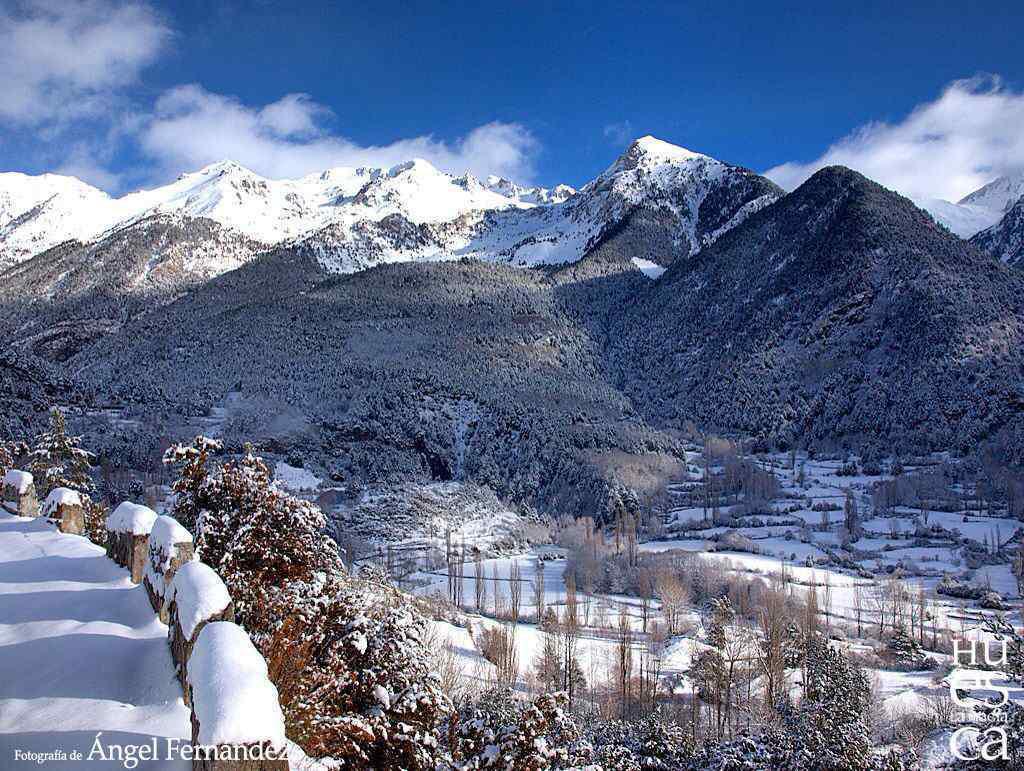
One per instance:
(66,75)
(946,148)
(294,115)
(63,60)
(84,161)
(619,134)
(192,127)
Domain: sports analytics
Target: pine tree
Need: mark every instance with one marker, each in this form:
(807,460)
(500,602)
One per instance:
(907,651)
(6,459)
(193,462)
(59,460)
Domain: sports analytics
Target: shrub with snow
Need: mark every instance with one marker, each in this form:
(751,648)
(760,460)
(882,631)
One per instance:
(992,601)
(501,731)
(953,587)
(355,678)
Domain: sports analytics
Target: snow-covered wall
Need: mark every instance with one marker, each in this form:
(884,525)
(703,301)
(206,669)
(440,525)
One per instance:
(233,700)
(170,547)
(19,493)
(63,507)
(128,529)
(224,677)
(197,595)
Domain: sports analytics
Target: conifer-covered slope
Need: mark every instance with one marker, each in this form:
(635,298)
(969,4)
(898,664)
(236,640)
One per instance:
(1005,239)
(70,294)
(440,371)
(841,312)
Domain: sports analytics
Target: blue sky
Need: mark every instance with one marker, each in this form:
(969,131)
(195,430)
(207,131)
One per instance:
(544,92)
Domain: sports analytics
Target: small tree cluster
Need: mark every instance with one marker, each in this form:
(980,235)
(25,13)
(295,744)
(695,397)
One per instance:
(501,731)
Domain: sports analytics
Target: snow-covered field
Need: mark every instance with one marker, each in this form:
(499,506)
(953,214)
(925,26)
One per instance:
(791,546)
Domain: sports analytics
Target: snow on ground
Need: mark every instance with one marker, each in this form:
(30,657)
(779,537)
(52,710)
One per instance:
(81,651)
(648,268)
(294,479)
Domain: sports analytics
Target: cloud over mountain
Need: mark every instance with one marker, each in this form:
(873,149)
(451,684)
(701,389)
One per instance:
(945,148)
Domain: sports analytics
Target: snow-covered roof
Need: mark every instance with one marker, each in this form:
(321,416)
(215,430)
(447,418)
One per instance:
(19,480)
(131,518)
(60,496)
(167,532)
(199,593)
(232,696)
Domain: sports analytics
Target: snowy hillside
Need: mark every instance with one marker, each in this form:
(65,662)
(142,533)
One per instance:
(978,210)
(1005,239)
(352,218)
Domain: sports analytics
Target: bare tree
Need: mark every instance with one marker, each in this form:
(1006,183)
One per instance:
(774,625)
(515,590)
(479,581)
(538,590)
(624,658)
(674,595)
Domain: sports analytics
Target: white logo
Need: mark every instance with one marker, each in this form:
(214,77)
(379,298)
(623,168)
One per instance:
(971,742)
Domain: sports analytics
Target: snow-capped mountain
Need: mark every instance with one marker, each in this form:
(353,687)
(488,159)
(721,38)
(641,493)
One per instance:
(979,210)
(37,213)
(351,218)
(1005,239)
(998,195)
(688,198)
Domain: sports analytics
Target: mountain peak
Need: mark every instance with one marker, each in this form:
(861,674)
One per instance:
(416,166)
(652,146)
(837,178)
(999,195)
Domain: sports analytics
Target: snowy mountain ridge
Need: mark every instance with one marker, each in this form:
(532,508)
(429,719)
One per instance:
(39,212)
(979,210)
(351,218)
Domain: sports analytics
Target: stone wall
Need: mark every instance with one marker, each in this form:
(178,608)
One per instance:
(63,508)
(170,546)
(19,494)
(232,687)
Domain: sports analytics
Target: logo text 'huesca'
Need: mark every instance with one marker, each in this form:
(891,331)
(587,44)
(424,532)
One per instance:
(978,742)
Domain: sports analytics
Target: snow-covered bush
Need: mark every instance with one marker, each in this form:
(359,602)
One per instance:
(732,540)
(953,587)
(905,653)
(501,731)
(649,742)
(355,679)
(992,601)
